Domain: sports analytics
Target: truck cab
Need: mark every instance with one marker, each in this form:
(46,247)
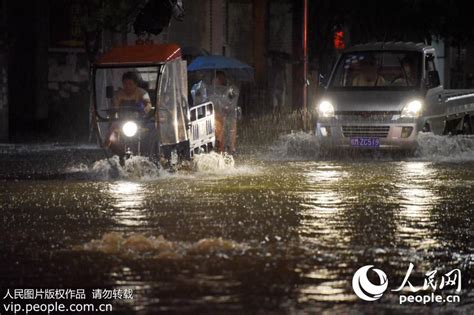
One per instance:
(380,95)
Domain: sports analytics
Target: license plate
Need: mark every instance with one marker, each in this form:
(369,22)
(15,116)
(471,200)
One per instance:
(365,142)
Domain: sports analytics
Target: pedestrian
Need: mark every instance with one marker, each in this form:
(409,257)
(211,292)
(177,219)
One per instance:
(224,97)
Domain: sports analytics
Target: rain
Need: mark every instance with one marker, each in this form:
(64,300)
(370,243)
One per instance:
(237,191)
(283,227)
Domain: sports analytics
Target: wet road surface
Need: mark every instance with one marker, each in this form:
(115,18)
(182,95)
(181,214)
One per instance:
(279,232)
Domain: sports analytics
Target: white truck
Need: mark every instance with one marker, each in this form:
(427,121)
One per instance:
(380,95)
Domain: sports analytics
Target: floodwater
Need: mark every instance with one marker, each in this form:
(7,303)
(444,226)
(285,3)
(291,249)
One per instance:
(280,230)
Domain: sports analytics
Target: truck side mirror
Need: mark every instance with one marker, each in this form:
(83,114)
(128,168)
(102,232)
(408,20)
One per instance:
(109,91)
(433,79)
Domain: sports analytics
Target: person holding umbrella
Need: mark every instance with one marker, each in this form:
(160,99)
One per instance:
(224,97)
(223,94)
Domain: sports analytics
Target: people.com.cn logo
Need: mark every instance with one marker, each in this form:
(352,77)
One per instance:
(365,289)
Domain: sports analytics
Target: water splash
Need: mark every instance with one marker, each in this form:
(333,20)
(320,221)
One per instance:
(222,164)
(295,146)
(134,245)
(304,146)
(142,168)
(445,148)
(213,162)
(137,168)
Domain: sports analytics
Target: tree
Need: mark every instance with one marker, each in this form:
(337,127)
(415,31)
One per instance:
(146,17)
(105,15)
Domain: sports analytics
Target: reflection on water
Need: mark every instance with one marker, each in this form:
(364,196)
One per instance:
(330,291)
(322,200)
(288,237)
(326,197)
(128,201)
(321,194)
(366,209)
(417,184)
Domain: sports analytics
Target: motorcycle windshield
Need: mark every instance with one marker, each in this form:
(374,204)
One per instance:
(123,89)
(123,93)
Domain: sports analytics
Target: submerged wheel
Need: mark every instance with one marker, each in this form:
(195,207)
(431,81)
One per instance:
(467,125)
(173,160)
(122,160)
(451,127)
(426,127)
(210,147)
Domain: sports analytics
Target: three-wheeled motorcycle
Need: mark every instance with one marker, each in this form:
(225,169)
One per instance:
(169,131)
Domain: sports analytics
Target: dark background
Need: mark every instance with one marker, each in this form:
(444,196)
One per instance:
(46,48)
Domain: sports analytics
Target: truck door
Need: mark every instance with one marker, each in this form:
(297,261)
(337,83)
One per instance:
(435,98)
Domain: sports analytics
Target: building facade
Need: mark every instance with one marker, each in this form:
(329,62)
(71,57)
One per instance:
(50,99)
(44,67)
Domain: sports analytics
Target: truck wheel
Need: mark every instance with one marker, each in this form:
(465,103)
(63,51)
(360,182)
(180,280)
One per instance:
(173,160)
(122,160)
(451,126)
(426,127)
(466,125)
(209,147)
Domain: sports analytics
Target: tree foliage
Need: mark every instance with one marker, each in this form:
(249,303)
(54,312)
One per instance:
(145,16)
(156,15)
(106,15)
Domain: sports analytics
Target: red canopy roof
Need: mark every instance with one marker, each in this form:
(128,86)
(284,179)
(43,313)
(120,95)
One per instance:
(140,54)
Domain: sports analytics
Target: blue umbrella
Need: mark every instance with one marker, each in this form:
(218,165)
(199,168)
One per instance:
(239,70)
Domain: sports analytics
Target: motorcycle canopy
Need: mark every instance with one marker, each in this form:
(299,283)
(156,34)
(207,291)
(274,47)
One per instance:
(172,106)
(161,76)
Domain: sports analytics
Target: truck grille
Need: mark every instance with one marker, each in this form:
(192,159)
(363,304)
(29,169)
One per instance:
(366,116)
(365,131)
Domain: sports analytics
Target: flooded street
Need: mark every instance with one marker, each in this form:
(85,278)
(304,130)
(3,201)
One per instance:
(280,230)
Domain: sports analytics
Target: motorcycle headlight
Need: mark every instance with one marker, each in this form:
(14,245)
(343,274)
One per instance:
(412,109)
(325,109)
(130,129)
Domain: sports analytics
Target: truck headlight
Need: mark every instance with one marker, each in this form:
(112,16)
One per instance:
(129,128)
(325,109)
(412,109)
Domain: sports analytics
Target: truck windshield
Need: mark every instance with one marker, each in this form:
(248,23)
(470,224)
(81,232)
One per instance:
(376,69)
